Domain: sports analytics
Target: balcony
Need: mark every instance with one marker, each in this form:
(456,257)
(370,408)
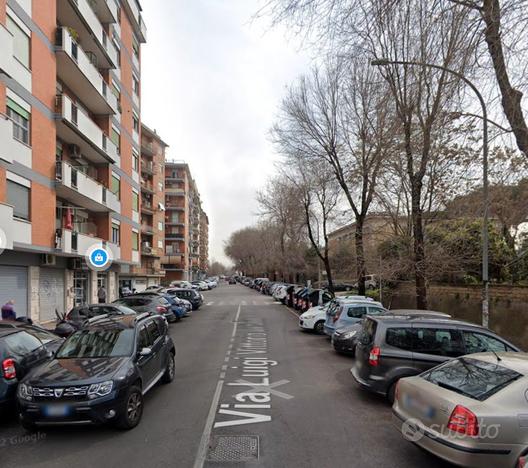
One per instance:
(148,271)
(146,187)
(172,207)
(82,190)
(81,18)
(106,10)
(175,236)
(76,243)
(76,128)
(76,69)
(147,229)
(175,191)
(147,148)
(148,251)
(147,167)
(138,24)
(146,207)
(171,222)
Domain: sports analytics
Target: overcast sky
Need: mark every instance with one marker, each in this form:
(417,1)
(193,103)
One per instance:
(212,81)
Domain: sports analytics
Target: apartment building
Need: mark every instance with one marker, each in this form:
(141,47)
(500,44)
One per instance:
(204,242)
(70,101)
(152,182)
(182,220)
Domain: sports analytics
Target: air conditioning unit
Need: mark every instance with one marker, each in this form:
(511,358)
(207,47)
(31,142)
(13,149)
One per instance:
(48,260)
(75,151)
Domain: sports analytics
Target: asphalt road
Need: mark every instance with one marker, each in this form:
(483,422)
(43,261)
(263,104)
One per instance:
(234,351)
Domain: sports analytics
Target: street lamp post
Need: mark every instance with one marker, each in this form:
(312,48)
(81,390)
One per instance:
(485,240)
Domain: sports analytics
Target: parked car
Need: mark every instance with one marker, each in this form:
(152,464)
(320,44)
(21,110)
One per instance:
(339,287)
(191,295)
(79,314)
(344,338)
(181,284)
(200,285)
(22,348)
(349,312)
(152,303)
(154,288)
(370,282)
(391,347)
(100,374)
(314,318)
(232,280)
(338,302)
(126,291)
(468,411)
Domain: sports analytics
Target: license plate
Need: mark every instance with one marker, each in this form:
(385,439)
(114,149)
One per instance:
(56,411)
(419,407)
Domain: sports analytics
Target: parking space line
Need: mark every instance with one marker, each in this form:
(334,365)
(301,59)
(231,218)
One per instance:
(206,435)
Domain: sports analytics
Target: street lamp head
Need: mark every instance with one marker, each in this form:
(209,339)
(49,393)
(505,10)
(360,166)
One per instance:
(380,62)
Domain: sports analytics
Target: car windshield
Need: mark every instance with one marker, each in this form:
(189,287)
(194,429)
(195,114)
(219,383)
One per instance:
(98,344)
(472,378)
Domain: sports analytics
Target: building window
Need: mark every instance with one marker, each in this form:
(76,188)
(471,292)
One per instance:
(135,123)
(135,201)
(160,244)
(18,197)
(116,234)
(21,42)
(135,85)
(20,118)
(160,186)
(135,161)
(135,240)
(160,226)
(116,139)
(115,187)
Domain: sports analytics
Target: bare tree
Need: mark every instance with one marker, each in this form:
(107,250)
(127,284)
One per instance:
(339,117)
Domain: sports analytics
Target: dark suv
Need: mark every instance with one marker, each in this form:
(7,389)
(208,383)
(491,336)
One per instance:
(394,346)
(100,374)
(191,295)
(22,347)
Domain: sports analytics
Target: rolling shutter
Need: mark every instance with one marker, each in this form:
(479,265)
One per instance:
(51,293)
(14,285)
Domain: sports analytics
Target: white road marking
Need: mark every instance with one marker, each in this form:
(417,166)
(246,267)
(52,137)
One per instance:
(204,441)
(209,303)
(206,436)
(221,303)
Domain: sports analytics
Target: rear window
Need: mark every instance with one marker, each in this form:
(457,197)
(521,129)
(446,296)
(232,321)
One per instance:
(368,332)
(357,312)
(472,378)
(19,344)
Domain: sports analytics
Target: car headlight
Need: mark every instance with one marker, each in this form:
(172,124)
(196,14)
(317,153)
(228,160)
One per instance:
(100,389)
(25,392)
(348,335)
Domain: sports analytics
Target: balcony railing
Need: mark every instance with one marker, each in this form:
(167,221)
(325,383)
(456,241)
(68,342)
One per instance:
(147,229)
(147,148)
(79,129)
(138,22)
(74,242)
(175,235)
(79,188)
(78,70)
(81,17)
(148,167)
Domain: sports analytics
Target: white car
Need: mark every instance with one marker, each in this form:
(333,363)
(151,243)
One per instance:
(314,319)
(280,292)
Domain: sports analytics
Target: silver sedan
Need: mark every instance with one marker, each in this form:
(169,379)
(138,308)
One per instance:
(471,411)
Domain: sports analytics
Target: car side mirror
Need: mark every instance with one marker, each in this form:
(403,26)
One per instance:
(145,352)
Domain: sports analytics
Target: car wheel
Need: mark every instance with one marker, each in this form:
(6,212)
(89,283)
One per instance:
(27,425)
(371,287)
(170,370)
(133,409)
(391,392)
(319,327)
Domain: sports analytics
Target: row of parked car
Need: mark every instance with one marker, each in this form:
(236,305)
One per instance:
(458,389)
(97,364)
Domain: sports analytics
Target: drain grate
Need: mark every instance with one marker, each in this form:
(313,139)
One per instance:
(233,449)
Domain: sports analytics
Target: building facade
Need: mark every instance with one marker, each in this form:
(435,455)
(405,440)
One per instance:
(152,182)
(70,142)
(182,220)
(204,242)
